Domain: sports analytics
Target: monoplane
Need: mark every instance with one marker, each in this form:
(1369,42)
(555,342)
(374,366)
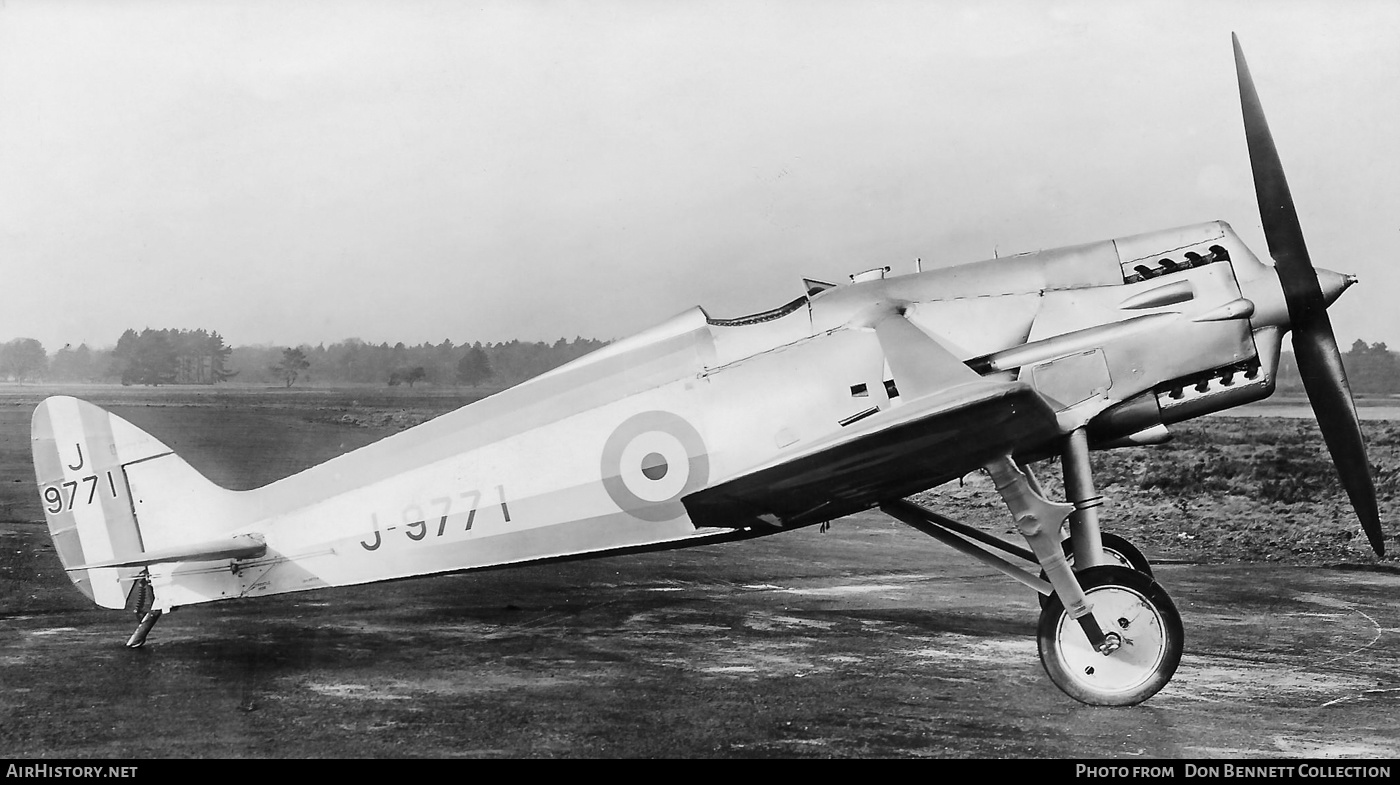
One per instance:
(703,430)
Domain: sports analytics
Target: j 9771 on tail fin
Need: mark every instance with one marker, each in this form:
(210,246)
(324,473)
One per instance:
(117,501)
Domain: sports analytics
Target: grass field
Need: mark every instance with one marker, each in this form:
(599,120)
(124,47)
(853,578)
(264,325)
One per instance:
(1226,489)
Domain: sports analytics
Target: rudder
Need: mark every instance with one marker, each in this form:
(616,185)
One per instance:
(115,495)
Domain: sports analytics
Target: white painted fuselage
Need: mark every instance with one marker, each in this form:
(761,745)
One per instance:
(598,456)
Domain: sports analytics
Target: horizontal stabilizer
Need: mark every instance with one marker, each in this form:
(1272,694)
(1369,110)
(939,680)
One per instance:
(244,546)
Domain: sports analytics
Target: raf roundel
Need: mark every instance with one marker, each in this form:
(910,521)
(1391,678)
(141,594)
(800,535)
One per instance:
(651,461)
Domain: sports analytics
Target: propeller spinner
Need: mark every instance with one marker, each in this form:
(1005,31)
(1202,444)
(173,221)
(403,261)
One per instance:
(1314,345)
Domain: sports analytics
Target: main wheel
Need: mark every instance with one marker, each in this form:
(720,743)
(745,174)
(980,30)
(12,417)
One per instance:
(1129,605)
(1118,550)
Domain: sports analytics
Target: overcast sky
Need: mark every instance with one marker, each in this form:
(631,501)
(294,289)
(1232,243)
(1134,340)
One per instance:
(305,172)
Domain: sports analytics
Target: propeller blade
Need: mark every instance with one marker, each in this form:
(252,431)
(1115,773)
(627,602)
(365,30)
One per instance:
(1320,364)
(1314,344)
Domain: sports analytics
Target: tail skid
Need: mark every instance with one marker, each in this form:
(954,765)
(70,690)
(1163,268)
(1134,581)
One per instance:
(117,501)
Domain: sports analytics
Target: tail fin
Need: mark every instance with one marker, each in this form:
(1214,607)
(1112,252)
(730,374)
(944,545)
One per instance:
(118,500)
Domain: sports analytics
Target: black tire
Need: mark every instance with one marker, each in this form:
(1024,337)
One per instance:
(1131,605)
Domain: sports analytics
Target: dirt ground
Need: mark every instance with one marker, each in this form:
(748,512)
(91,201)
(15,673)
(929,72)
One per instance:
(868,640)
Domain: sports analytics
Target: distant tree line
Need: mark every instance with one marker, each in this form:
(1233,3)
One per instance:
(162,357)
(1372,369)
(445,364)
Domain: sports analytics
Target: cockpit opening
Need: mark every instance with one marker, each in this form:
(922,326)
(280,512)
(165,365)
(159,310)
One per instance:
(759,318)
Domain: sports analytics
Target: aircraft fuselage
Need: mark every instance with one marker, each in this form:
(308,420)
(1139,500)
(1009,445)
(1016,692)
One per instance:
(1123,336)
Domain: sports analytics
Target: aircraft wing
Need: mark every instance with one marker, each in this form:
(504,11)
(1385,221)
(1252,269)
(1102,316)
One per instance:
(953,422)
(894,454)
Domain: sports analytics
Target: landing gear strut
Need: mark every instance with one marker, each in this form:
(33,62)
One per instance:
(1087,545)
(1108,634)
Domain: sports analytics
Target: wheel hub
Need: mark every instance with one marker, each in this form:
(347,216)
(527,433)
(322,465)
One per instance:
(1111,642)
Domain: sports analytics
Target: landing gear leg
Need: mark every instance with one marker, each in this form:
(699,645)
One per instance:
(1088,546)
(1109,635)
(1079,490)
(1137,612)
(1039,521)
(1091,546)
